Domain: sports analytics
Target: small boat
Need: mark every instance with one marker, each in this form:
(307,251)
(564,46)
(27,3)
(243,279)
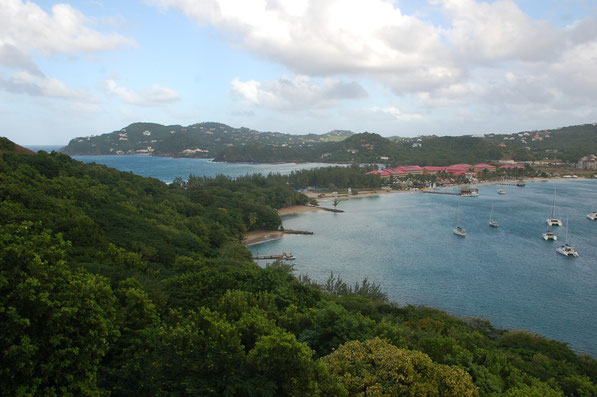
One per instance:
(553,221)
(458,230)
(469,192)
(288,256)
(567,250)
(492,223)
(549,236)
(501,191)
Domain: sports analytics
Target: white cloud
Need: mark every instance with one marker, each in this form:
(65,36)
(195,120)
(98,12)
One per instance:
(397,113)
(324,38)
(154,96)
(298,94)
(499,30)
(39,85)
(461,63)
(27,26)
(12,57)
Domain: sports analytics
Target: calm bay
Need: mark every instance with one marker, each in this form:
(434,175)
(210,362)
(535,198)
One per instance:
(508,275)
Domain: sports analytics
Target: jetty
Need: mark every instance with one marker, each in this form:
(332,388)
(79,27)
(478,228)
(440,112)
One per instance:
(290,231)
(519,184)
(284,256)
(464,192)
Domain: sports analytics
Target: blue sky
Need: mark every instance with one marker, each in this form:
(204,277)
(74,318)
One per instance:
(446,67)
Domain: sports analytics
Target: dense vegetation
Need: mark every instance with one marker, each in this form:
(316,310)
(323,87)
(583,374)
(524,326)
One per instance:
(114,284)
(225,143)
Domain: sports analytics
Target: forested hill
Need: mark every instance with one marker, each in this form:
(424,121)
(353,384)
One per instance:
(7,146)
(197,140)
(115,284)
(566,143)
(225,143)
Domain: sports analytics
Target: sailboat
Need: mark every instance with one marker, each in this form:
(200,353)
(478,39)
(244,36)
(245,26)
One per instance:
(567,250)
(492,223)
(549,235)
(457,229)
(553,221)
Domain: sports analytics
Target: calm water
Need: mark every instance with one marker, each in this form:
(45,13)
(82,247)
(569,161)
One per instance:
(509,275)
(167,168)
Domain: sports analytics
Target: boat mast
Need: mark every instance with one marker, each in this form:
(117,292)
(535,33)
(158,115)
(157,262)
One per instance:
(491,213)
(553,207)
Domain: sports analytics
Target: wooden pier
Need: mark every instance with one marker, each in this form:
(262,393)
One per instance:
(519,184)
(441,192)
(284,256)
(464,192)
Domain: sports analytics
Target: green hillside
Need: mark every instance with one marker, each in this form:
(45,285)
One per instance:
(115,284)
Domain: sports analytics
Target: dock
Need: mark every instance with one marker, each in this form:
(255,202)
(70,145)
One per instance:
(284,255)
(464,192)
(519,184)
(441,192)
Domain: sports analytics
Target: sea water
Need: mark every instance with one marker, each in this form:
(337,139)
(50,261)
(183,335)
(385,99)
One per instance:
(168,168)
(508,275)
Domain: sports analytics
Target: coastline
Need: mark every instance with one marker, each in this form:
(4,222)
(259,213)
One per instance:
(262,236)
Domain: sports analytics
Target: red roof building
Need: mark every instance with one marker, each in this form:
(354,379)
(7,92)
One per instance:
(411,169)
(428,169)
(483,166)
(460,168)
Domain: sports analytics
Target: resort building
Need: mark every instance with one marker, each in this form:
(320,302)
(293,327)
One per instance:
(483,166)
(588,162)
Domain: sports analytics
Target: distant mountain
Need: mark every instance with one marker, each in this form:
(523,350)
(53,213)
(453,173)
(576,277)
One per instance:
(8,146)
(225,143)
(566,143)
(197,140)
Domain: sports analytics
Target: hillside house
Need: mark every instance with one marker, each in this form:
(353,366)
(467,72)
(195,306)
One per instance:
(588,162)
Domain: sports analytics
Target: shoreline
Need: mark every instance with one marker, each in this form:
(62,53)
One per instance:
(262,236)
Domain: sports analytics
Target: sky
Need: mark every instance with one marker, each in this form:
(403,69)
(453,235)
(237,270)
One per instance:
(397,68)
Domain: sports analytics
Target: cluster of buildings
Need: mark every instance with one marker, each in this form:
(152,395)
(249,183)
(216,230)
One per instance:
(588,162)
(467,170)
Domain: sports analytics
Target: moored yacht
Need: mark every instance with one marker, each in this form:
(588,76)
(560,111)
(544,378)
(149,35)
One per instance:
(553,221)
(549,235)
(492,223)
(592,216)
(458,230)
(567,250)
(501,191)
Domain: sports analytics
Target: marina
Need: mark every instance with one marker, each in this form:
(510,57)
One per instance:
(507,275)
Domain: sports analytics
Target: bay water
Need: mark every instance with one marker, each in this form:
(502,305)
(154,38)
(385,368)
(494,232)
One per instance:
(508,275)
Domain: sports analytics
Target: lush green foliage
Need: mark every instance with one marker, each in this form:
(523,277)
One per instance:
(115,284)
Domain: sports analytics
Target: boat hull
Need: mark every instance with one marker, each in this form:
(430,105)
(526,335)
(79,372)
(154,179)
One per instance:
(567,251)
(554,222)
(459,231)
(549,236)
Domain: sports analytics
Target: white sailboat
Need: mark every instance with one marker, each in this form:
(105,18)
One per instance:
(492,223)
(567,250)
(553,221)
(458,230)
(549,235)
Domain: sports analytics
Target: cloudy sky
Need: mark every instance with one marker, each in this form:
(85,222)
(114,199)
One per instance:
(403,67)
